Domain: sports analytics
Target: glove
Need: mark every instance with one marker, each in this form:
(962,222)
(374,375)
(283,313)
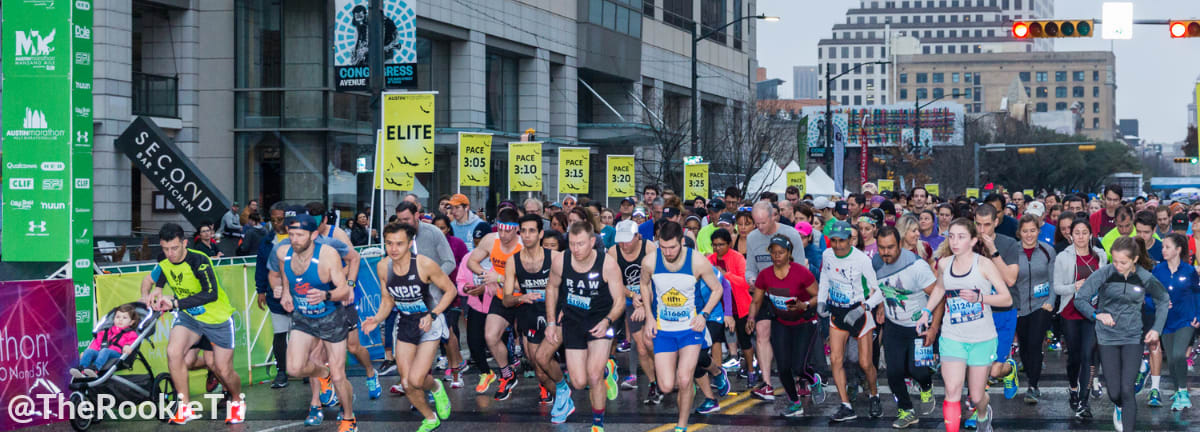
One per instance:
(852,316)
(823,310)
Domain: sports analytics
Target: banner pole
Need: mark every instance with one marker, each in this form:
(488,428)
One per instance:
(458,185)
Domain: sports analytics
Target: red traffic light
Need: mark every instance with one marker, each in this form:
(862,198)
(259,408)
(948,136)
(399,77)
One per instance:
(1178,29)
(1020,30)
(1185,29)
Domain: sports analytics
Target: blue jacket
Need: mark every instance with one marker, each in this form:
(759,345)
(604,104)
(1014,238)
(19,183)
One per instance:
(1184,288)
(261,284)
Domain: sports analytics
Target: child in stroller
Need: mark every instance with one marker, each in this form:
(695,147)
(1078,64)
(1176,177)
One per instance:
(110,343)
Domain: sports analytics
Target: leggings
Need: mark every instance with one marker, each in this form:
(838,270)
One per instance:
(1081,341)
(898,346)
(1031,332)
(475,342)
(1121,363)
(792,344)
(1175,345)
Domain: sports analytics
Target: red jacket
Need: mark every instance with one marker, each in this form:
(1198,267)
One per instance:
(735,272)
(1095,220)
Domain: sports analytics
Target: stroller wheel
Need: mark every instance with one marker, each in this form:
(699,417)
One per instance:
(78,422)
(164,388)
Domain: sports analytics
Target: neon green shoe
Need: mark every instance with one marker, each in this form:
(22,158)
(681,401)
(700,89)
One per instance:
(610,379)
(441,401)
(428,425)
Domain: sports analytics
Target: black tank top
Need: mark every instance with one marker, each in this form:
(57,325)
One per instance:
(533,282)
(632,270)
(586,294)
(410,293)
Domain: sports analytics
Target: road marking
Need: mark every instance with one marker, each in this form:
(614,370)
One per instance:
(282,427)
(739,408)
(739,403)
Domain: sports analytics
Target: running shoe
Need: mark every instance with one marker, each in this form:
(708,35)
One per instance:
(505,388)
(350,425)
(796,409)
(281,380)
(544,396)
(1073,396)
(927,401)
(184,414)
(708,406)
(972,422)
(1154,400)
(598,428)
(875,409)
(388,367)
(397,389)
(844,413)
(315,416)
(1032,395)
(765,392)
(485,381)
(721,382)
(1117,423)
(732,363)
(75,373)
(563,405)
(373,388)
(456,380)
(441,402)
(1185,398)
(442,363)
(1085,409)
(629,383)
(328,397)
(654,397)
(1097,388)
(429,425)
(985,425)
(624,346)
(905,419)
(610,379)
(818,390)
(235,412)
(1011,382)
(1143,373)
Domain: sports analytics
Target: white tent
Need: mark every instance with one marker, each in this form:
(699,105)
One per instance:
(769,178)
(819,183)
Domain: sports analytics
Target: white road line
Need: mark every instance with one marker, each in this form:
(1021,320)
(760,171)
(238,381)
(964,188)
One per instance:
(282,427)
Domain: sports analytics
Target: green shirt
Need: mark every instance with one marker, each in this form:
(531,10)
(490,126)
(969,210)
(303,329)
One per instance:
(704,239)
(196,287)
(1108,240)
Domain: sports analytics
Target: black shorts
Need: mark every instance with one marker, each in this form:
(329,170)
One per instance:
(531,322)
(330,328)
(716,331)
(498,309)
(744,340)
(765,313)
(1147,321)
(576,334)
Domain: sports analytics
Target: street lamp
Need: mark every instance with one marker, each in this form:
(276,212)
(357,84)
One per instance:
(696,90)
(837,177)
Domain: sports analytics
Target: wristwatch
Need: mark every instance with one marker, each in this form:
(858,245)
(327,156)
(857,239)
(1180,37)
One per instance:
(705,314)
(996,254)
(433,316)
(350,282)
(328,296)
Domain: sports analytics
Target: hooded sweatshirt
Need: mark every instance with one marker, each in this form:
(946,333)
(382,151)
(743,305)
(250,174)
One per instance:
(1034,277)
(474,228)
(1122,297)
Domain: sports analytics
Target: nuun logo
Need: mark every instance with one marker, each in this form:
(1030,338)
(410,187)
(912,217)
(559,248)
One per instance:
(34,119)
(32,43)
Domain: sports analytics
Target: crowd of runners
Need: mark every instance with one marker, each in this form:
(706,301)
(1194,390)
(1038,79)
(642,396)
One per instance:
(662,296)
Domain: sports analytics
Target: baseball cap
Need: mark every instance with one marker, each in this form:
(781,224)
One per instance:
(554,204)
(305,222)
(822,203)
(1035,208)
(842,208)
(840,230)
(670,212)
(639,211)
(781,241)
(460,200)
(804,228)
(726,218)
(628,200)
(716,203)
(1179,222)
(626,229)
(570,197)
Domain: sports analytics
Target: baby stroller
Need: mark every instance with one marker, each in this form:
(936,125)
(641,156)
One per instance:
(133,387)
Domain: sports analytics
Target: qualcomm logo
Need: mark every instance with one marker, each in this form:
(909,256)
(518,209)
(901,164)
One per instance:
(34,119)
(28,46)
(37,227)
(20,184)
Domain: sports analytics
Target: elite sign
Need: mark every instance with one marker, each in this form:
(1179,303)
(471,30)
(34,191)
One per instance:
(172,172)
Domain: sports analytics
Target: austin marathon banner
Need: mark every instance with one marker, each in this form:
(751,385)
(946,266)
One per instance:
(621,176)
(475,159)
(573,167)
(155,155)
(525,167)
(37,347)
(352,47)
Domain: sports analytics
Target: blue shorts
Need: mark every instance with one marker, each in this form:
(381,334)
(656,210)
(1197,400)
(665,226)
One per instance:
(1006,328)
(673,341)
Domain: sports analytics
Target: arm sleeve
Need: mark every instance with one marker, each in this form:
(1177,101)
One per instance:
(203,269)
(157,276)
(1083,298)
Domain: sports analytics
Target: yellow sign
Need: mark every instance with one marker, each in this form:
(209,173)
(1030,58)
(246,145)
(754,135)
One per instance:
(408,131)
(1028,194)
(573,170)
(695,181)
(525,166)
(390,180)
(973,193)
(799,179)
(474,158)
(621,176)
(886,185)
(933,189)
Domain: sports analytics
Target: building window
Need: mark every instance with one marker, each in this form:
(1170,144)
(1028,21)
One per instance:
(1095,91)
(925,49)
(939,77)
(1040,107)
(858,100)
(1096,75)
(1024,76)
(1042,92)
(858,84)
(1060,92)
(1077,91)
(904,19)
(1041,76)
(1096,107)
(954,77)
(1018,4)
(712,16)
(678,13)
(941,34)
(870,52)
(922,93)
(1077,76)
(1060,106)
(966,77)
(857,52)
(1060,76)
(903,93)
(922,78)
(845,52)
(1095,122)
(737,26)
(648,8)
(937,49)
(833,52)
(903,78)
(966,93)
(938,92)
(845,100)
(1027,93)
(845,84)
(501,110)
(950,49)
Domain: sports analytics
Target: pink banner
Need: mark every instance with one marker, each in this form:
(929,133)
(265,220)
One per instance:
(37,347)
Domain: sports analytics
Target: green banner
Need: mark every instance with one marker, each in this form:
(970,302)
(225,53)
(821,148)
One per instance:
(81,169)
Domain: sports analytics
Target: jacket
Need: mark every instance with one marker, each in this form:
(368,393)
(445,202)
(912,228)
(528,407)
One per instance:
(1183,288)
(261,284)
(469,231)
(1065,273)
(1029,293)
(114,338)
(1122,297)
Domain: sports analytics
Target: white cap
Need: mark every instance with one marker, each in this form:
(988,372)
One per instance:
(626,230)
(822,203)
(1035,208)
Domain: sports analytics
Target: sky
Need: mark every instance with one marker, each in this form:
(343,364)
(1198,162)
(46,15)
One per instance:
(1156,75)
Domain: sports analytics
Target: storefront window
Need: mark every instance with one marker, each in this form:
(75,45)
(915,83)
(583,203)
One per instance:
(501,93)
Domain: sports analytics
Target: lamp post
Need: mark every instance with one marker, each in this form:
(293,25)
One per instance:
(695,90)
(837,177)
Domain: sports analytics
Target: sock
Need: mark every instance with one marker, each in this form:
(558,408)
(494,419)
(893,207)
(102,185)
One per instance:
(506,372)
(953,415)
(1154,381)
(847,405)
(983,415)
(598,418)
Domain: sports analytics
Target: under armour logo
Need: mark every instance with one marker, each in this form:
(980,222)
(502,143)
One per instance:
(37,226)
(81,136)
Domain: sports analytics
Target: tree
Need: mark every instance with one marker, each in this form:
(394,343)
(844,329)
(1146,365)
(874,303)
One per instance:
(1065,168)
(661,160)
(749,140)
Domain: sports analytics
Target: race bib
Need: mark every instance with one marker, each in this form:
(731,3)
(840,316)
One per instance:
(674,306)
(922,355)
(195,311)
(540,292)
(307,308)
(411,307)
(1041,290)
(839,296)
(780,302)
(579,302)
(962,311)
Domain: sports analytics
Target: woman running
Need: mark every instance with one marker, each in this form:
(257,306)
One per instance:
(1072,266)
(792,293)
(971,286)
(1181,283)
(1120,292)
(929,229)
(1034,301)
(911,238)
(745,224)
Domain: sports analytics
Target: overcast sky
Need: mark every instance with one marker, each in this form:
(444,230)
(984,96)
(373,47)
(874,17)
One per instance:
(1156,75)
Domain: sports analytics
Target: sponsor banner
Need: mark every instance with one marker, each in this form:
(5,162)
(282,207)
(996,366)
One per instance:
(973,193)
(156,156)
(37,345)
(408,131)
(400,44)
(573,167)
(395,180)
(798,179)
(621,181)
(922,147)
(80,184)
(933,189)
(474,159)
(37,40)
(886,185)
(351,46)
(815,132)
(695,181)
(885,124)
(525,166)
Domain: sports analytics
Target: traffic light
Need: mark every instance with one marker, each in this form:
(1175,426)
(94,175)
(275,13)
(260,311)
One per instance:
(1188,160)
(1027,150)
(1087,147)
(1185,29)
(1052,29)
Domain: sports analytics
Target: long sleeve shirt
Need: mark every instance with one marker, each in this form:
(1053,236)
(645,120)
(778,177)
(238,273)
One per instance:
(1183,287)
(1122,297)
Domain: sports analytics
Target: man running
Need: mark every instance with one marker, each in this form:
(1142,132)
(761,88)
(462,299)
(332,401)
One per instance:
(201,310)
(848,294)
(676,326)
(405,280)
(630,251)
(314,289)
(525,277)
(497,248)
(591,291)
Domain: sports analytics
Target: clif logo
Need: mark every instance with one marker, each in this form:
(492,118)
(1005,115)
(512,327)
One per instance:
(20,184)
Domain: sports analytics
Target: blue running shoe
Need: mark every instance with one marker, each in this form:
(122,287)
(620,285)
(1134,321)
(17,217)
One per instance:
(1011,382)
(315,416)
(1143,373)
(563,405)
(722,383)
(328,397)
(373,388)
(818,390)
(708,406)
(1155,399)
(972,422)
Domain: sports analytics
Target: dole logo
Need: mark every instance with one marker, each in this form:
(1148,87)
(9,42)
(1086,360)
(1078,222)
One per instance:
(82,290)
(53,166)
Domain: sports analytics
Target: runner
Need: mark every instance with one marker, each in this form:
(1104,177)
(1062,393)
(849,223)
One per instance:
(497,248)
(525,278)
(906,281)
(1032,296)
(202,310)
(709,375)
(971,286)
(1004,252)
(1072,266)
(591,301)
(733,268)
(792,292)
(848,294)
(405,280)
(1180,280)
(315,288)
(1119,291)
(758,257)
(630,251)
(676,326)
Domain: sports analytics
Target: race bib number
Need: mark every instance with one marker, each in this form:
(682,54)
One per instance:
(780,302)
(307,308)
(675,313)
(195,311)
(411,307)
(540,292)
(839,296)
(962,311)
(1041,290)
(579,302)
(922,355)
(635,288)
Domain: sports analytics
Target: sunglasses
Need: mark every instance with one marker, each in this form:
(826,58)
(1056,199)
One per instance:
(745,209)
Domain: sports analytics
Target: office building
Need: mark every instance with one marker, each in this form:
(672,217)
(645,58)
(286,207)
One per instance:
(804,82)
